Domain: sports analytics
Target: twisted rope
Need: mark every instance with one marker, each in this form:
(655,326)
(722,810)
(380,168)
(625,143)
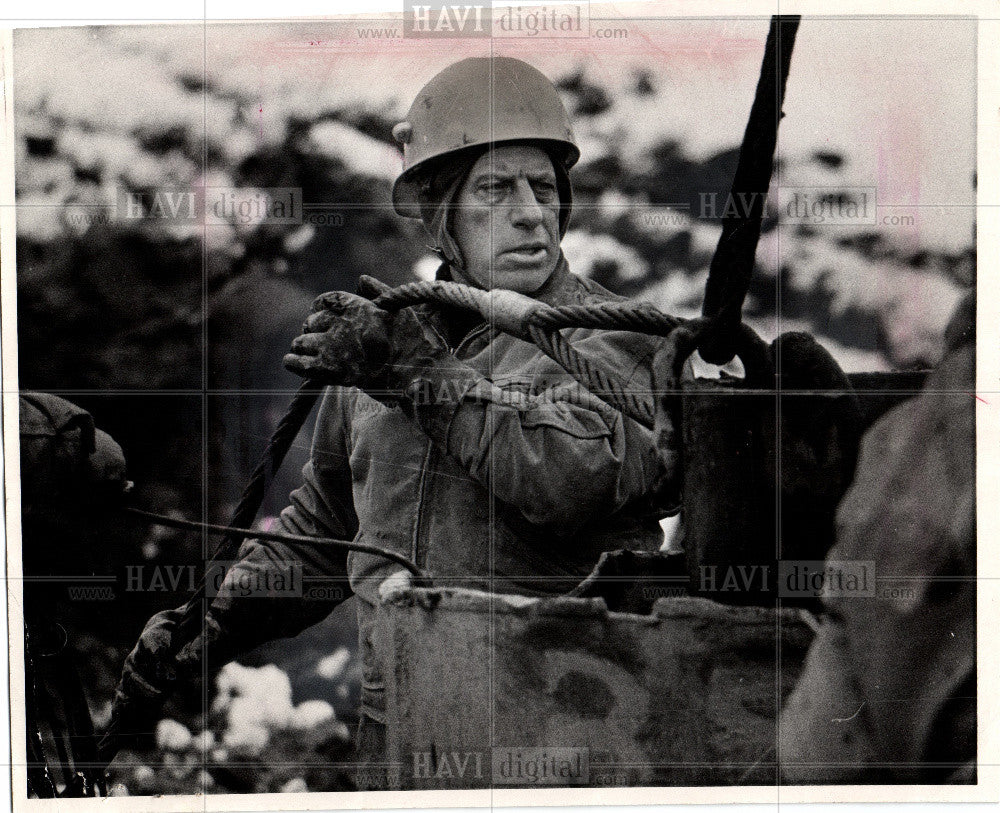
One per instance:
(540,323)
(640,317)
(440,291)
(607,386)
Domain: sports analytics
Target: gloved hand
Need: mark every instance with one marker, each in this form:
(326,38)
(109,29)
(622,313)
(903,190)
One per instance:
(235,622)
(349,341)
(153,671)
(212,643)
(149,677)
(345,341)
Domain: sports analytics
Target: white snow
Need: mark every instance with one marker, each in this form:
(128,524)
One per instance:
(332,666)
(356,150)
(584,250)
(294,785)
(311,713)
(172,735)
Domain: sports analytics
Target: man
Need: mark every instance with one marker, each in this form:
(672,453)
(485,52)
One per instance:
(439,436)
(72,475)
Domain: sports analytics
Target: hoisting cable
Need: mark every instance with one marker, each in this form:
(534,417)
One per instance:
(276,536)
(732,264)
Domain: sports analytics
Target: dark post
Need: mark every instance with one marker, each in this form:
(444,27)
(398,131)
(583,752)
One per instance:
(729,491)
(733,261)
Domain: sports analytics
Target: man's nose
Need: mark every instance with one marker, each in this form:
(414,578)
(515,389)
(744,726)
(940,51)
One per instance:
(525,210)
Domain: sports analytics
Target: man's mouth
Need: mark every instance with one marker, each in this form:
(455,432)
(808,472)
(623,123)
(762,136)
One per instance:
(530,252)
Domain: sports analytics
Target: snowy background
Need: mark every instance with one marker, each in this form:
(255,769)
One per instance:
(172,334)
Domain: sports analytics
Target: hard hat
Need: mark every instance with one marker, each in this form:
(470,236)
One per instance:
(478,102)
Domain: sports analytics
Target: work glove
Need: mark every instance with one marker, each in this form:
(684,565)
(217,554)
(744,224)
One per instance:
(149,676)
(236,621)
(344,341)
(155,668)
(349,341)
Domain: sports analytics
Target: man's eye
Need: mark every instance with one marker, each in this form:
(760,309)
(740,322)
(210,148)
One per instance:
(491,192)
(545,191)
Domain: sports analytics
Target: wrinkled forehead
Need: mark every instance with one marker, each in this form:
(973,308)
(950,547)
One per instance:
(514,160)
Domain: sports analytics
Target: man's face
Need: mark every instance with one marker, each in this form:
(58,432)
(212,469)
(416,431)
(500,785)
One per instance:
(507,222)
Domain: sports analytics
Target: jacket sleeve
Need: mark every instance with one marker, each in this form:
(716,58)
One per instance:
(560,456)
(313,578)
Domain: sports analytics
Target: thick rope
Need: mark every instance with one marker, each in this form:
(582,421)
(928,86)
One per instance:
(640,317)
(440,291)
(605,385)
(260,480)
(256,489)
(540,323)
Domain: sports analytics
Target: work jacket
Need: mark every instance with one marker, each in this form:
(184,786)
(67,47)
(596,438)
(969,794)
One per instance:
(501,475)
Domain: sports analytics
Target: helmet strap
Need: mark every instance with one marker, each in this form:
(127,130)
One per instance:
(437,204)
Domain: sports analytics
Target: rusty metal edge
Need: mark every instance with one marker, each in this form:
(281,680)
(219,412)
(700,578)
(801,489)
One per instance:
(462,599)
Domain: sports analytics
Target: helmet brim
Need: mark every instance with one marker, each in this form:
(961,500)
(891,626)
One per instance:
(406,189)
